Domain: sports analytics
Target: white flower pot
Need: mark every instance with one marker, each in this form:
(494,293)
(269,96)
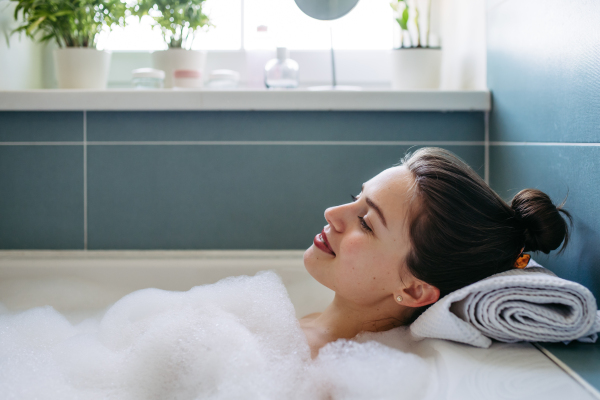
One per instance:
(416,68)
(81,68)
(172,59)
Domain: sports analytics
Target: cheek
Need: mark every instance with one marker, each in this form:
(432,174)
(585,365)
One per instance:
(360,261)
(368,269)
(354,247)
(362,255)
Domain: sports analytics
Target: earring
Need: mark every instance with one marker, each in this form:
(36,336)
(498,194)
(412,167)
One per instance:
(399,298)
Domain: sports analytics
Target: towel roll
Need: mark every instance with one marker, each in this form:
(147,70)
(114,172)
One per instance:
(530,304)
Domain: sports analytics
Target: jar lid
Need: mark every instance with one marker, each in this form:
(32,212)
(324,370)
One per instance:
(187,73)
(148,73)
(224,74)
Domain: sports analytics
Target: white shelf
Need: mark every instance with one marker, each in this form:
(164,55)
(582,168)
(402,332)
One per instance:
(239,100)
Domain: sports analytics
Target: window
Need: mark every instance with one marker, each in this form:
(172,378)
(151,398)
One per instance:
(368,26)
(139,35)
(267,24)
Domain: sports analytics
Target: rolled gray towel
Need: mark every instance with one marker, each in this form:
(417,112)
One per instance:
(530,304)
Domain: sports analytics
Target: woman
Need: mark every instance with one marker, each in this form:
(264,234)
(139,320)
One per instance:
(416,232)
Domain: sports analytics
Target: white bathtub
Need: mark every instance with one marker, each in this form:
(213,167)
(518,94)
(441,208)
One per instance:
(80,283)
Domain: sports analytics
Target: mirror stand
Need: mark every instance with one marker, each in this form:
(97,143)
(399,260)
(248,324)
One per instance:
(334,85)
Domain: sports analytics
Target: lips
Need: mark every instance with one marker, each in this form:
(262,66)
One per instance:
(322,243)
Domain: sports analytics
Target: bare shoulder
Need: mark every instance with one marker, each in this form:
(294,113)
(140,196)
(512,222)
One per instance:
(310,317)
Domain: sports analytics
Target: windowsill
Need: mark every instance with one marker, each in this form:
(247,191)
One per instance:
(244,99)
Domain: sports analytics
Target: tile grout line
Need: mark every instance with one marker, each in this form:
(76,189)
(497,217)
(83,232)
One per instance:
(485,143)
(574,375)
(548,144)
(85,222)
(252,143)
(288,143)
(486,148)
(41,143)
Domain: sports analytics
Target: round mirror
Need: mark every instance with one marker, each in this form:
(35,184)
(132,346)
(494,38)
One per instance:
(326,9)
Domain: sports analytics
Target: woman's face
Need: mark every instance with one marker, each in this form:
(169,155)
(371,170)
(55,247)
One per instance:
(361,251)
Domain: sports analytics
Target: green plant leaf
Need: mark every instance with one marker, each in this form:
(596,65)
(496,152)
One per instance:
(46,38)
(63,12)
(404,20)
(69,23)
(178,20)
(37,23)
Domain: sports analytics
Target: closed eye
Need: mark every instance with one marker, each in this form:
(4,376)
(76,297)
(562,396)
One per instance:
(363,224)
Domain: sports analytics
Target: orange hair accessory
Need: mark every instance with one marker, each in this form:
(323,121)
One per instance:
(522,261)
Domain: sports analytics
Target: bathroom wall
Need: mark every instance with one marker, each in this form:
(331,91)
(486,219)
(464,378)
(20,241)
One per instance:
(157,180)
(544,74)
(21,59)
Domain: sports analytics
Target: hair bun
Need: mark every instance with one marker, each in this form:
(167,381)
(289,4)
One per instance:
(545,229)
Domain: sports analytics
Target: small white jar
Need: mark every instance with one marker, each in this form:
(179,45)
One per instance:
(223,79)
(147,78)
(187,79)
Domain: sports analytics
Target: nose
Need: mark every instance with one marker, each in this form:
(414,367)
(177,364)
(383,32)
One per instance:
(337,217)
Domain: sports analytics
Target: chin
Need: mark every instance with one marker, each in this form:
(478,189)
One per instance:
(309,258)
(311,263)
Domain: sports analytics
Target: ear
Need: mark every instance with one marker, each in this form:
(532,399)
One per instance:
(418,294)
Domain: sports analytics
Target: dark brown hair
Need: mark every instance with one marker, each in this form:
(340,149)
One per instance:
(461,231)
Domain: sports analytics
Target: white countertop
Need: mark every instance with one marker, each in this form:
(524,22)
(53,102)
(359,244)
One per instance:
(291,100)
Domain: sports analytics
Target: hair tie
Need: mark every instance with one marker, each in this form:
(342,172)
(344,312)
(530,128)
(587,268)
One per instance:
(522,260)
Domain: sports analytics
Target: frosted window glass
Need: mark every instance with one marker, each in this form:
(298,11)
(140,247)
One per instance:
(271,23)
(225,35)
(226,15)
(267,24)
(138,35)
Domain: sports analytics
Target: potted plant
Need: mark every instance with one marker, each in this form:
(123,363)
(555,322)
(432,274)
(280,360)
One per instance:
(179,22)
(417,60)
(74,26)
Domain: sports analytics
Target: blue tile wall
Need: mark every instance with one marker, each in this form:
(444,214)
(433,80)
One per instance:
(226,197)
(284,125)
(41,201)
(544,70)
(43,126)
(143,195)
(583,358)
(544,74)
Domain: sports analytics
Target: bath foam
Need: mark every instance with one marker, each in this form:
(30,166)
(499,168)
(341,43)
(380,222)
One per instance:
(238,338)
(349,370)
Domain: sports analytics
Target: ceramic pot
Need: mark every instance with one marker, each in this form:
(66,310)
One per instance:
(81,68)
(416,68)
(172,59)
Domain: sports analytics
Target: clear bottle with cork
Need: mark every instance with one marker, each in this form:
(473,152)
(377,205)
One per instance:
(281,72)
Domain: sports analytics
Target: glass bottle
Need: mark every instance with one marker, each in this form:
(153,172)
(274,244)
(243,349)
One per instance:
(281,72)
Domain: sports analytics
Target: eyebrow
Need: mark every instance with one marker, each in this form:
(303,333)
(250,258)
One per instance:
(375,207)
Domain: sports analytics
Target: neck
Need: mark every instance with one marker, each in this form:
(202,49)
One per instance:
(342,319)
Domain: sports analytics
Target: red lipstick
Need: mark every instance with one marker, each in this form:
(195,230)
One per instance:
(322,244)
